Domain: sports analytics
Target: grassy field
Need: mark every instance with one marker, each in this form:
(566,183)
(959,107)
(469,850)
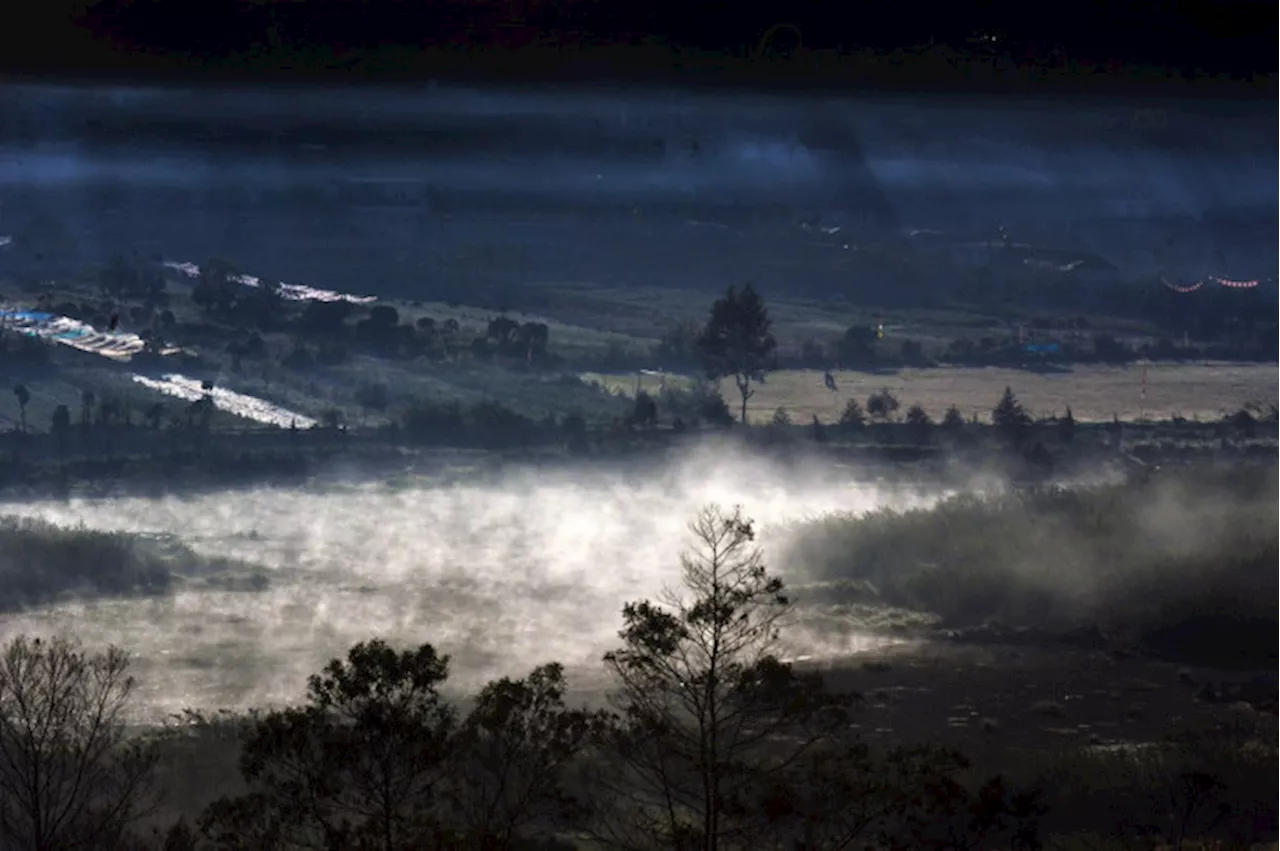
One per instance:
(644,313)
(1095,393)
(1205,391)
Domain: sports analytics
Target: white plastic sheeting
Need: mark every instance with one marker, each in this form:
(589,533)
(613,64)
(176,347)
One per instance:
(121,346)
(293,292)
(249,407)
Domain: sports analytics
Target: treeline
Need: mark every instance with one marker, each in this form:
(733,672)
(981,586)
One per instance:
(108,444)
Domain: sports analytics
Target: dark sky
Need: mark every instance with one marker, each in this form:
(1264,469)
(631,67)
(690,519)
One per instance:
(693,39)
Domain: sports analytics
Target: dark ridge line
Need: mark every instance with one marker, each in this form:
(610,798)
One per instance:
(596,70)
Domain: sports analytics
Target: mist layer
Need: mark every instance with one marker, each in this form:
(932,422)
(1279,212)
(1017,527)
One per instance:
(502,575)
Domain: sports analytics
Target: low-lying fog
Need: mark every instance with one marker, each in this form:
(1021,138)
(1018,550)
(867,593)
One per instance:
(502,574)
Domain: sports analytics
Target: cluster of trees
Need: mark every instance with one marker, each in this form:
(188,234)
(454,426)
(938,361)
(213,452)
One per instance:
(325,333)
(711,741)
(122,278)
(861,347)
(489,423)
(736,342)
(382,333)
(864,346)
(882,406)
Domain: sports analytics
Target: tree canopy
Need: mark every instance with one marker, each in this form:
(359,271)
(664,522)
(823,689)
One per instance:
(710,715)
(736,340)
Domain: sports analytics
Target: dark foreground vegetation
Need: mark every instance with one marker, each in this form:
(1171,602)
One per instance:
(710,741)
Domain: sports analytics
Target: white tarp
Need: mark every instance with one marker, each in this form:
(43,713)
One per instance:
(249,407)
(293,292)
(119,345)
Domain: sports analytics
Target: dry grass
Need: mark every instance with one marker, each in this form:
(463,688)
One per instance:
(1094,393)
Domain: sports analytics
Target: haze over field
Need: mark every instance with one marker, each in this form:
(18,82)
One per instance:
(503,574)
(431,195)
(247,174)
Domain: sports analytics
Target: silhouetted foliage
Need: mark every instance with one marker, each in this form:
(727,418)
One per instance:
(1109,349)
(510,757)
(645,411)
(377,758)
(812,355)
(1039,459)
(69,776)
(434,422)
(216,289)
(702,402)
(362,764)
(118,277)
(507,338)
(1067,427)
(325,317)
(23,395)
(494,425)
(736,340)
(852,417)
(60,426)
(1243,421)
(912,352)
(882,405)
(1010,417)
(920,423)
(486,424)
(677,349)
(953,421)
(709,712)
(857,346)
(22,352)
(574,429)
(844,795)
